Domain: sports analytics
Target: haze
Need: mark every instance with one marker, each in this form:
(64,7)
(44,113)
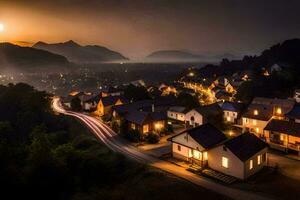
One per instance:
(137,28)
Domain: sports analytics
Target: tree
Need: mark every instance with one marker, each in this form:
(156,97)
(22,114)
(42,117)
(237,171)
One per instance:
(76,104)
(136,93)
(188,100)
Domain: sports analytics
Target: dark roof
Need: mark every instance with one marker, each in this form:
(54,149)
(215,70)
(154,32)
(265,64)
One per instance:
(137,117)
(178,109)
(206,135)
(281,126)
(210,110)
(111,100)
(232,106)
(295,112)
(223,94)
(265,112)
(245,146)
(157,116)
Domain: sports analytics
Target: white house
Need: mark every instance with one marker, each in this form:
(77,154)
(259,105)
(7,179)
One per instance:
(191,145)
(206,146)
(240,157)
(193,118)
(177,113)
(231,111)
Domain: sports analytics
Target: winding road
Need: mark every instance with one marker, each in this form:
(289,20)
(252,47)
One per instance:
(118,144)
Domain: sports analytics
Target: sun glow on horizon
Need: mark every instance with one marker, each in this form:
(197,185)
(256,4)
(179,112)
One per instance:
(1,27)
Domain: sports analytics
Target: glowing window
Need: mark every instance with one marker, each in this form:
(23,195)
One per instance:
(205,157)
(146,128)
(225,162)
(257,130)
(197,154)
(279,111)
(190,153)
(228,119)
(251,164)
(254,122)
(259,159)
(255,112)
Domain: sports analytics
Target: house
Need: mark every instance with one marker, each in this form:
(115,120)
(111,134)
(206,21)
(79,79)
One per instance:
(262,110)
(203,114)
(192,145)
(240,157)
(283,135)
(146,122)
(105,104)
(294,114)
(177,113)
(231,111)
(112,91)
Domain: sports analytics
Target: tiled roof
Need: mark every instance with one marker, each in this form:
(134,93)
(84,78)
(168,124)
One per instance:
(281,126)
(245,146)
(232,106)
(265,112)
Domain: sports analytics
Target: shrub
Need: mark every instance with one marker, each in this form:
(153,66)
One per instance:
(134,135)
(152,138)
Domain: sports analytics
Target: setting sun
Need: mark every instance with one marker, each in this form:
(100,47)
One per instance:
(1,27)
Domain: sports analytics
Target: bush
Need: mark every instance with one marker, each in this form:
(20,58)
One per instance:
(134,135)
(152,138)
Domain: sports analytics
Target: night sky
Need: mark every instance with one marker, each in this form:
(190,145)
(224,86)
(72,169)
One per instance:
(138,27)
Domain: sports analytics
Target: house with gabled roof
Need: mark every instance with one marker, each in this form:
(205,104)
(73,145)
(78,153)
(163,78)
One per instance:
(232,111)
(203,114)
(192,145)
(105,104)
(177,113)
(239,157)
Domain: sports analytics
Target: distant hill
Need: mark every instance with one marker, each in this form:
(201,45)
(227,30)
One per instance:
(173,56)
(81,54)
(184,56)
(14,56)
(286,53)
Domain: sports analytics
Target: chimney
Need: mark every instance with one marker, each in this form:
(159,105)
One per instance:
(153,108)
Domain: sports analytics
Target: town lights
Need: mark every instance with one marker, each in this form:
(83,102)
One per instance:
(255,112)
(191,74)
(158,126)
(279,111)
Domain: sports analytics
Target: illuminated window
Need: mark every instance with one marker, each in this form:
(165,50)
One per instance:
(254,122)
(225,162)
(259,159)
(190,153)
(257,130)
(279,111)
(228,119)
(281,137)
(146,128)
(178,147)
(251,164)
(255,112)
(197,154)
(205,156)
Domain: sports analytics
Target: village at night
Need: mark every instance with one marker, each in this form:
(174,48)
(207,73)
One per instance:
(152,100)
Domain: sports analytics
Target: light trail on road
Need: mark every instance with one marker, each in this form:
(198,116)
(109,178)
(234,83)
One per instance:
(118,144)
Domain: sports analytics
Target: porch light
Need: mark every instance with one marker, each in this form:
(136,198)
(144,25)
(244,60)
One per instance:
(255,112)
(228,119)
(279,111)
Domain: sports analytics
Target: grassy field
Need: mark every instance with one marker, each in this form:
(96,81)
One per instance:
(270,182)
(133,181)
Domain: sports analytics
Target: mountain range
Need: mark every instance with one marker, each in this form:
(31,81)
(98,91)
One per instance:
(14,56)
(81,54)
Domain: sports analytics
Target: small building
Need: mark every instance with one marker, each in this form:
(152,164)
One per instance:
(177,113)
(297,95)
(231,111)
(262,110)
(210,113)
(240,157)
(105,104)
(146,122)
(283,135)
(192,145)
